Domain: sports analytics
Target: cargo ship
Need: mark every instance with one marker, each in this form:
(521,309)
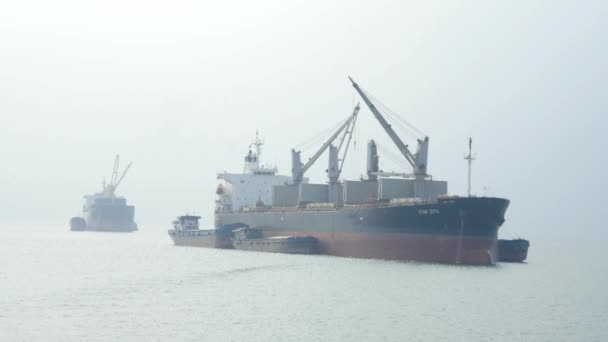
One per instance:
(186,232)
(105,211)
(386,215)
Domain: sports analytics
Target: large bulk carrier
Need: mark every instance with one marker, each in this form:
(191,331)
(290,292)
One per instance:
(105,211)
(401,216)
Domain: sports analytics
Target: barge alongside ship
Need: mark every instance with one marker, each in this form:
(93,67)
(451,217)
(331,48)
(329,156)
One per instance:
(186,232)
(401,216)
(251,239)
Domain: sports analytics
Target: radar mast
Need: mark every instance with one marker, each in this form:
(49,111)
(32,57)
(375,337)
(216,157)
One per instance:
(469,158)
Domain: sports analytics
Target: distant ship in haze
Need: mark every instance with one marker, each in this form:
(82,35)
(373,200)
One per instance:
(387,215)
(105,211)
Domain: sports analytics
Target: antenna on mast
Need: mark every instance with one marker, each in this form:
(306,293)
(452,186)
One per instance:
(258,144)
(469,158)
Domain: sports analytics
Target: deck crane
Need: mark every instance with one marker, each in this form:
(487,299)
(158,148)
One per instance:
(418,161)
(110,189)
(348,132)
(335,167)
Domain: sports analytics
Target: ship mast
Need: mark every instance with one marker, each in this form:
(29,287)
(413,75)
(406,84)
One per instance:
(469,158)
(258,144)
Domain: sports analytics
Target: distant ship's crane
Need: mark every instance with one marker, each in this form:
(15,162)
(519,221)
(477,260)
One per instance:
(110,189)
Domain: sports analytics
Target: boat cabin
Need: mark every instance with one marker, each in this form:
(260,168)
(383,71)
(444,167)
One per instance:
(248,233)
(186,222)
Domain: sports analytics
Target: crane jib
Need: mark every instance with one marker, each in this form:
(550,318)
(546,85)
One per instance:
(419,160)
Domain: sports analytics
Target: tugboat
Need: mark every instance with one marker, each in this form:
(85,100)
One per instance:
(104,211)
(513,250)
(186,232)
(252,239)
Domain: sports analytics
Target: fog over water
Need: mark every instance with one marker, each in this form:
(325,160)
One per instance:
(180,88)
(138,287)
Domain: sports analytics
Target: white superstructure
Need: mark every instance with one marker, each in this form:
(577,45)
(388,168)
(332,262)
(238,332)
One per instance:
(105,211)
(186,223)
(253,187)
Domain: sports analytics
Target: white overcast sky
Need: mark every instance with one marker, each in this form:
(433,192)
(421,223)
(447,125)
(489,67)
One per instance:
(179,88)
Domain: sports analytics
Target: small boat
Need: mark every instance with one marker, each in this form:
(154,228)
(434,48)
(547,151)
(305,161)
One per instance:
(513,250)
(186,232)
(78,224)
(252,239)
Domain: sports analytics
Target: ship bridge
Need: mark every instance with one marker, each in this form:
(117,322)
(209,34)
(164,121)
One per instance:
(251,188)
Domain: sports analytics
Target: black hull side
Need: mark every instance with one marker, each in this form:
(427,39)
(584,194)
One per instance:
(451,229)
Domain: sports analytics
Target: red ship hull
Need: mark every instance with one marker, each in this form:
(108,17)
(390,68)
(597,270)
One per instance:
(429,248)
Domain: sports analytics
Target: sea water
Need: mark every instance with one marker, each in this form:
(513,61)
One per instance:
(57,285)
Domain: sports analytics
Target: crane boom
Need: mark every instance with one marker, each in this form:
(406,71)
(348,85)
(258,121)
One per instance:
(387,127)
(316,156)
(298,170)
(418,161)
(109,189)
(115,169)
(350,136)
(349,129)
(122,176)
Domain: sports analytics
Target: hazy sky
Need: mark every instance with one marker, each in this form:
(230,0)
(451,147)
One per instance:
(179,87)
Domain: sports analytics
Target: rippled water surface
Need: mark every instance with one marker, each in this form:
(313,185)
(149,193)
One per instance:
(57,285)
